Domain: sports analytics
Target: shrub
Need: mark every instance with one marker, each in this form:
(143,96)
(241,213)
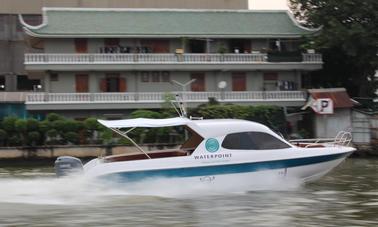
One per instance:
(3,137)
(9,124)
(14,140)
(106,136)
(20,125)
(54,117)
(32,124)
(33,138)
(71,137)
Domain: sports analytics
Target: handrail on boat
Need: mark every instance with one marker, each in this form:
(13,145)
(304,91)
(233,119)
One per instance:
(342,138)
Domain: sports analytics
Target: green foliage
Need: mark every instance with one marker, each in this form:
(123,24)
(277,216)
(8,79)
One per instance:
(32,124)
(106,136)
(44,126)
(14,140)
(58,130)
(271,116)
(71,137)
(91,124)
(3,137)
(54,117)
(348,40)
(9,123)
(145,114)
(33,138)
(20,125)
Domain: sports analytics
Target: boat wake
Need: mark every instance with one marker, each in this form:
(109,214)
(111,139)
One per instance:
(78,190)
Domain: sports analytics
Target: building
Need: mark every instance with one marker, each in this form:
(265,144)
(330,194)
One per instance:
(111,61)
(15,82)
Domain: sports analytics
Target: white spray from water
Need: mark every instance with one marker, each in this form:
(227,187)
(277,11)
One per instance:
(80,190)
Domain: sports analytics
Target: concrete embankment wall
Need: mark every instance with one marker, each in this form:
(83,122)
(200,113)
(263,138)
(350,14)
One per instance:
(77,151)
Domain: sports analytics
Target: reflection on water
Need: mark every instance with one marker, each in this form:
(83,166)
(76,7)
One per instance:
(33,197)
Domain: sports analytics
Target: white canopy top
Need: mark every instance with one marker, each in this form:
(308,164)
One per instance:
(205,128)
(145,122)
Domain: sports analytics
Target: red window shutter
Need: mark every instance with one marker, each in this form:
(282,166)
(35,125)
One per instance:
(122,85)
(82,83)
(111,42)
(199,83)
(103,85)
(81,45)
(239,82)
(161,46)
(271,76)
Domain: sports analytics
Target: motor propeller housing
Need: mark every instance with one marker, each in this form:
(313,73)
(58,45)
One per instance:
(67,165)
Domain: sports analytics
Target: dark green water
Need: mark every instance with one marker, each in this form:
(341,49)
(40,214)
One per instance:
(31,196)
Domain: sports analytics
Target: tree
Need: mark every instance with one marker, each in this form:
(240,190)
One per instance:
(348,40)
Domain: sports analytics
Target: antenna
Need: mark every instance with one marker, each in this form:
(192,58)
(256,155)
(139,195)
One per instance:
(181,108)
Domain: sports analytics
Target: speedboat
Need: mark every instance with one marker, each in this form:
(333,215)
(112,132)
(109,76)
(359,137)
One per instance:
(215,150)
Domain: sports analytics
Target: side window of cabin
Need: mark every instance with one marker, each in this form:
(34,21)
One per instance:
(252,141)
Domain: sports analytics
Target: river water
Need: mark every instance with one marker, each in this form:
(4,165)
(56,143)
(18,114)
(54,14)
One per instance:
(32,196)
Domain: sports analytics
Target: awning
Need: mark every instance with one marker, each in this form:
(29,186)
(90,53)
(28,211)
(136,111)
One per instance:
(144,122)
(339,96)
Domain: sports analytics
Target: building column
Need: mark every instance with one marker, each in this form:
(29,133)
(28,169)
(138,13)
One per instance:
(46,83)
(10,82)
(298,75)
(207,45)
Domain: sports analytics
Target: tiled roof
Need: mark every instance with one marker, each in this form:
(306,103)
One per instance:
(89,22)
(339,96)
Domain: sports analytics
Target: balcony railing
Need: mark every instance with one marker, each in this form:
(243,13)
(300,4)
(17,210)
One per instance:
(160,97)
(156,58)
(13,96)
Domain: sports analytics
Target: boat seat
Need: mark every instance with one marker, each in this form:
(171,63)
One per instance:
(153,155)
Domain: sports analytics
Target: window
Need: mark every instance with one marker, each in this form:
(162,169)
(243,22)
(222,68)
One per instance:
(145,77)
(81,82)
(3,22)
(270,81)
(81,45)
(2,83)
(111,42)
(165,76)
(271,76)
(239,82)
(26,84)
(199,83)
(155,77)
(54,77)
(113,82)
(252,141)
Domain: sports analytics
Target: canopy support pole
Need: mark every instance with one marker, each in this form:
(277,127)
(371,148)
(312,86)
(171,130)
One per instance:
(124,134)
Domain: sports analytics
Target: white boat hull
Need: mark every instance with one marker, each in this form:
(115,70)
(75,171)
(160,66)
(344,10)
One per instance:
(250,174)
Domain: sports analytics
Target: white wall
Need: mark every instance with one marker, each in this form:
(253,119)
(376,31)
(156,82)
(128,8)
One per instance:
(267,4)
(328,125)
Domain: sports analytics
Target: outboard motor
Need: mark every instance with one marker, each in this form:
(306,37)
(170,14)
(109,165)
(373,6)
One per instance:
(66,165)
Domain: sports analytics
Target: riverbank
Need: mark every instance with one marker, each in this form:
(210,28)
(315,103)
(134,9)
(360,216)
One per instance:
(82,151)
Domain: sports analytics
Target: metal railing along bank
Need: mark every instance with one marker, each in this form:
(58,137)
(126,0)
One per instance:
(43,58)
(160,97)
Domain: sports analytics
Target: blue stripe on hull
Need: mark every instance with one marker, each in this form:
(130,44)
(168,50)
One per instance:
(224,169)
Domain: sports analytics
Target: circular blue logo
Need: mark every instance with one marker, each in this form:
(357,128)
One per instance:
(212,145)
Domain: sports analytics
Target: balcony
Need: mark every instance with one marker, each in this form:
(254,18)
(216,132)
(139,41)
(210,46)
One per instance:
(131,100)
(66,62)
(13,97)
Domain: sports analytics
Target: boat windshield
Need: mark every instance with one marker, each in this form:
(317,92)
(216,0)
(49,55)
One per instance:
(252,141)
